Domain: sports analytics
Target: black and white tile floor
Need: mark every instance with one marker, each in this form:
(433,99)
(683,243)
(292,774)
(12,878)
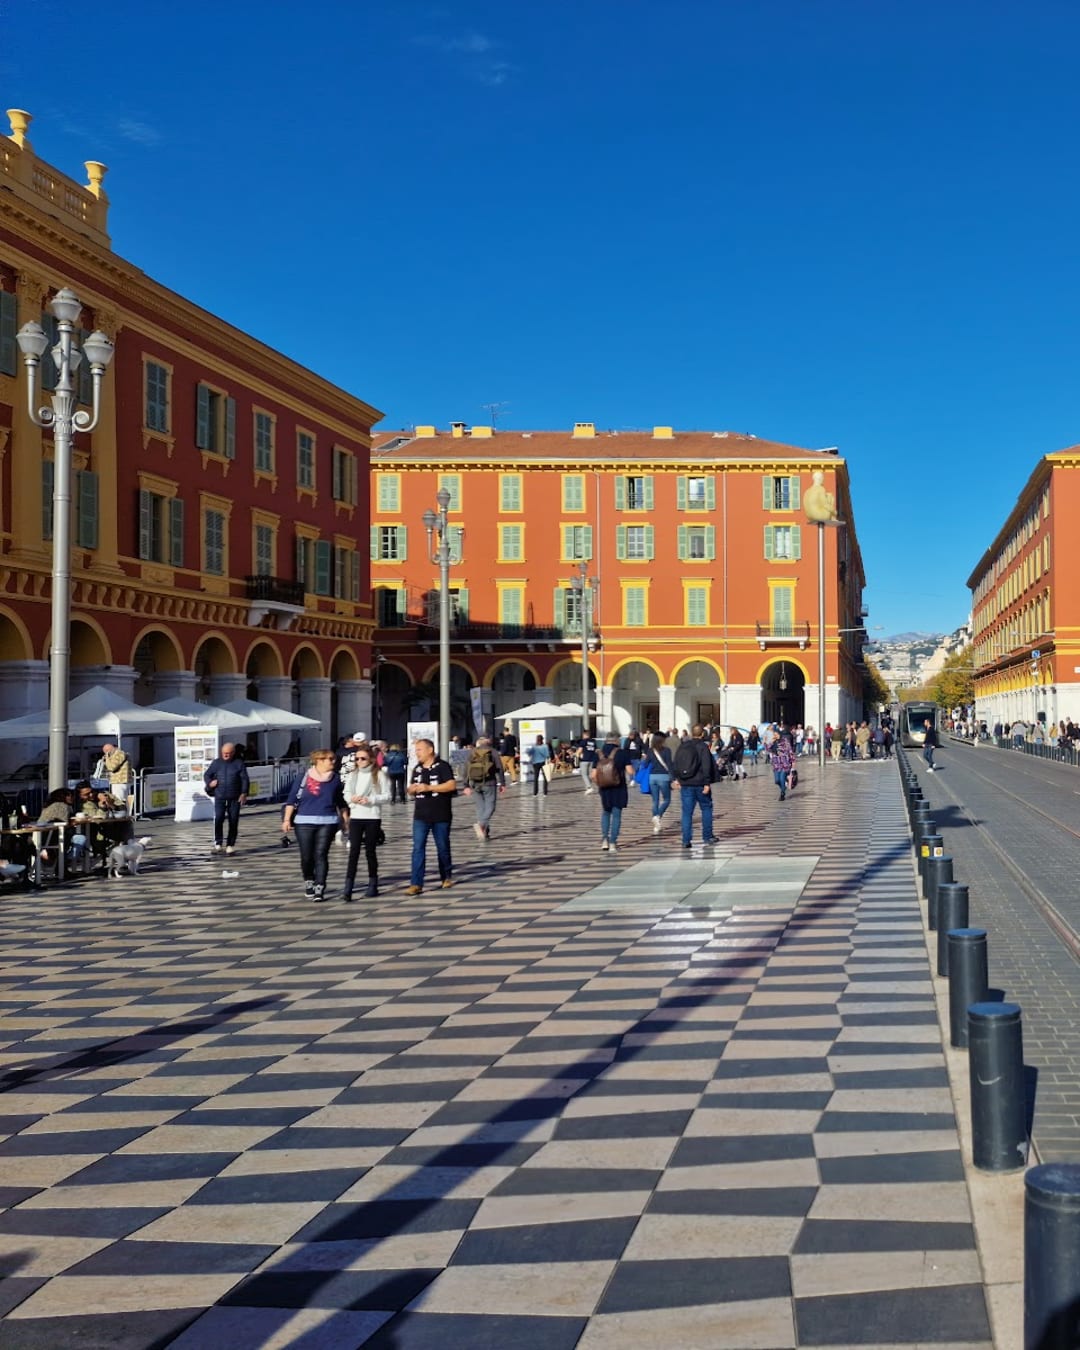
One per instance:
(655,1100)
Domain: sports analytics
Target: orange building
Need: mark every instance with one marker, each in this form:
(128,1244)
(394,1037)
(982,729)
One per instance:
(219,502)
(1025,645)
(706,571)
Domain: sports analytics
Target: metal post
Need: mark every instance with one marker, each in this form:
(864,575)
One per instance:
(821,644)
(952,912)
(968,979)
(64,420)
(1051,1256)
(439,552)
(996,1071)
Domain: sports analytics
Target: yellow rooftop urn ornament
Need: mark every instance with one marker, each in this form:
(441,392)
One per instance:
(818,503)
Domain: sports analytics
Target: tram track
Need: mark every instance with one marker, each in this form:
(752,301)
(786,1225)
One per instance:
(1053,917)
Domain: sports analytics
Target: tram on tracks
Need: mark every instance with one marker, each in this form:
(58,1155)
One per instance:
(913,718)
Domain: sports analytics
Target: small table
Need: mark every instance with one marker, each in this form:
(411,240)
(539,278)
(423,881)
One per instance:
(103,833)
(35,835)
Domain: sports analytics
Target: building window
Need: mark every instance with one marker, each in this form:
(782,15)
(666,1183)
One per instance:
(452,483)
(634,542)
(635,607)
(573,492)
(511,543)
(697,543)
(697,606)
(782,617)
(390,606)
(215,421)
(783,543)
(305,460)
(156,407)
(510,492)
(389,543)
(265,548)
(214,542)
(511,609)
(696,492)
(9,348)
(779,493)
(459,607)
(389,491)
(161,528)
(633,492)
(346,574)
(345,478)
(264,442)
(577,543)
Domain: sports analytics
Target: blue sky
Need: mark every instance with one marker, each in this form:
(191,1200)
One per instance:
(839,223)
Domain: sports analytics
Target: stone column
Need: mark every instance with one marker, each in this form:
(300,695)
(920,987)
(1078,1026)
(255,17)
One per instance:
(315,702)
(277,691)
(354,709)
(227,688)
(24,688)
(667,707)
(604,719)
(119,679)
(174,684)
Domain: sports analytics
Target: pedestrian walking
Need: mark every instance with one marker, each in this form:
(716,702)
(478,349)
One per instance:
(395,764)
(226,780)
(661,771)
(485,779)
(539,755)
(508,748)
(432,788)
(119,770)
(695,773)
(317,809)
(611,772)
(782,757)
(930,744)
(587,757)
(365,789)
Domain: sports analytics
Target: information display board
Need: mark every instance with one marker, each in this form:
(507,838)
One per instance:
(195,749)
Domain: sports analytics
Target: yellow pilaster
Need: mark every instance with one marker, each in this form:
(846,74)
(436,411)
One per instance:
(26,439)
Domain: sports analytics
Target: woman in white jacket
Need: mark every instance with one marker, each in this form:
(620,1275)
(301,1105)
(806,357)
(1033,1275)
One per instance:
(367,787)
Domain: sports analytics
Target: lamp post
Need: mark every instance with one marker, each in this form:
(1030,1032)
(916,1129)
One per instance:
(64,420)
(585,586)
(436,524)
(377,718)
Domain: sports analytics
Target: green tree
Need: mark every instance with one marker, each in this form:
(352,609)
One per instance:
(875,689)
(955,682)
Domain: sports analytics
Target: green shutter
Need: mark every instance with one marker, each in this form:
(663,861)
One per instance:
(301,560)
(635,607)
(684,543)
(796,542)
(335,476)
(650,548)
(573,492)
(146,507)
(710,542)
(560,607)
(456,539)
(796,494)
(9,348)
(374,542)
(176,531)
(354,576)
(588,553)
(782,610)
(230,428)
(710,493)
(202,417)
(567,541)
(681,494)
(770,543)
(620,541)
(48,478)
(767,494)
(402,542)
(647,485)
(86,528)
(620,492)
(463,604)
(323,555)
(695,605)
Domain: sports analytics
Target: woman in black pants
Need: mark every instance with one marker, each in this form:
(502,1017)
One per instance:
(318,808)
(366,789)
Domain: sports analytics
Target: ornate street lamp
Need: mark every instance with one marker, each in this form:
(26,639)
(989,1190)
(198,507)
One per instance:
(585,587)
(438,536)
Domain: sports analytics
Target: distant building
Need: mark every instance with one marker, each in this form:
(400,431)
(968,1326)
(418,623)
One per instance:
(706,570)
(1025,611)
(219,502)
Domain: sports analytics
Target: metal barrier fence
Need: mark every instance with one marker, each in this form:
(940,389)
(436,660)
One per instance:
(155,788)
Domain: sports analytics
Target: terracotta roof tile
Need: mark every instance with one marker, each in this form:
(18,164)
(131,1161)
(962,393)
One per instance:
(605,445)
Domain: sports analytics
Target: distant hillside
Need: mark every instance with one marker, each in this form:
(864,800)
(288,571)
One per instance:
(921,638)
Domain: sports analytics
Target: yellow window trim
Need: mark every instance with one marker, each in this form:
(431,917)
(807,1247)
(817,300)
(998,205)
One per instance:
(160,487)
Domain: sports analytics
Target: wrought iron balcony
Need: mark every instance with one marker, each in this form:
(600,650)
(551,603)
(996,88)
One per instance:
(783,635)
(275,589)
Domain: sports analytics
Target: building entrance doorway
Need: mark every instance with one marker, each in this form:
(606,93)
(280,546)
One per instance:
(708,713)
(648,716)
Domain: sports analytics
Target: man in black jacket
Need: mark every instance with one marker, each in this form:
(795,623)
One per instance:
(227,782)
(695,772)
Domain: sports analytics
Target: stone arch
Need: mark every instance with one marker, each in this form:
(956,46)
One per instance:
(496,666)
(565,680)
(694,661)
(154,650)
(635,661)
(698,697)
(783,692)
(306,664)
(432,672)
(214,655)
(16,643)
(89,643)
(513,684)
(344,665)
(635,694)
(391,715)
(263,659)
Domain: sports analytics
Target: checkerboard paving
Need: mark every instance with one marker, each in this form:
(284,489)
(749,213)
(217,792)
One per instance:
(656,1099)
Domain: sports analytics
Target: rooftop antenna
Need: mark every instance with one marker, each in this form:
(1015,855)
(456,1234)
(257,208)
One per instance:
(493,410)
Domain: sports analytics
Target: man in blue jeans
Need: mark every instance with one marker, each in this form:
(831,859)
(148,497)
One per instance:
(695,772)
(432,788)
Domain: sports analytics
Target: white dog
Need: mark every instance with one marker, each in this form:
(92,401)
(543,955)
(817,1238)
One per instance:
(127,855)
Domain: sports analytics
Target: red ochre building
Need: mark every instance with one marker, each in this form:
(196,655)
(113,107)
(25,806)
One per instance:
(218,504)
(1025,646)
(706,602)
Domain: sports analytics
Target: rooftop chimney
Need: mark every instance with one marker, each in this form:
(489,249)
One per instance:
(457,430)
(584,428)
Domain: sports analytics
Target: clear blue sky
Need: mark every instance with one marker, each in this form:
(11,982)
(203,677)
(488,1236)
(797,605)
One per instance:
(840,223)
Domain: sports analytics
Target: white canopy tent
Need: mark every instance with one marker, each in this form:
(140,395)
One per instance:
(207,716)
(97,712)
(272,719)
(541,712)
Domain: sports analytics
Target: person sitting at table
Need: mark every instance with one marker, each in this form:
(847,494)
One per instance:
(112,806)
(58,808)
(86,800)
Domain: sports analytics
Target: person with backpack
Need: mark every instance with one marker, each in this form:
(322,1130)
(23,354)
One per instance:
(695,772)
(539,754)
(610,773)
(485,779)
(395,764)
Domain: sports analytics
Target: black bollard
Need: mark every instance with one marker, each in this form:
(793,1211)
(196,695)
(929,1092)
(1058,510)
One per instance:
(996,1070)
(922,827)
(968,979)
(937,871)
(951,912)
(931,845)
(1051,1256)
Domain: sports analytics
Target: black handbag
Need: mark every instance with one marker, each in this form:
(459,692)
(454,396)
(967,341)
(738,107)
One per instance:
(380,838)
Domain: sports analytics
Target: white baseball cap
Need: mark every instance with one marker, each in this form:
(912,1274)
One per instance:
(359,735)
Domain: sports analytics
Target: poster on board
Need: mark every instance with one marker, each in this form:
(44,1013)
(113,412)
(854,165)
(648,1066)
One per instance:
(528,730)
(195,749)
(420,731)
